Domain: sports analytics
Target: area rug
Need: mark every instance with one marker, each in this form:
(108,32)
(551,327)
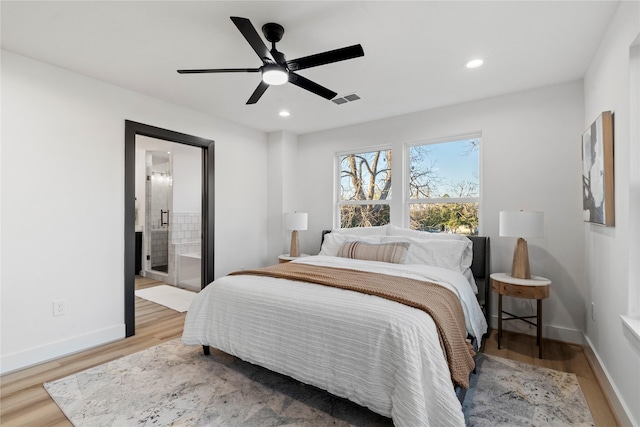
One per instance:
(510,393)
(174,298)
(171,384)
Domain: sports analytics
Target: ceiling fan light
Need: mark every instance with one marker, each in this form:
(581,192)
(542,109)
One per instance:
(275,76)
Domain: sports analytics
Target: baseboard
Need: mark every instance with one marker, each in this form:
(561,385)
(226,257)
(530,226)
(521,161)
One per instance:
(610,392)
(551,332)
(37,355)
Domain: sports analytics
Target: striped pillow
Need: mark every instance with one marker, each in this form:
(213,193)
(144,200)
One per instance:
(394,252)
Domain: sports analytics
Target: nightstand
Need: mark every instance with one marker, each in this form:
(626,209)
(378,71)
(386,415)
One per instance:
(286,258)
(535,288)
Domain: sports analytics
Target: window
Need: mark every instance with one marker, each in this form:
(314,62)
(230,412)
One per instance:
(365,189)
(444,186)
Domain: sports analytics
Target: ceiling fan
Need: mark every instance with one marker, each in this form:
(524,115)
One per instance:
(276,70)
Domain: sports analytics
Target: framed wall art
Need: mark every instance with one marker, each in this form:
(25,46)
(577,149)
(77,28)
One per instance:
(597,171)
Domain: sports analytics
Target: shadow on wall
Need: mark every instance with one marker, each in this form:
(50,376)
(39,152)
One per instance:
(568,294)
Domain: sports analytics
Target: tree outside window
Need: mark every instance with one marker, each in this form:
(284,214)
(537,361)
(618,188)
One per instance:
(365,189)
(444,186)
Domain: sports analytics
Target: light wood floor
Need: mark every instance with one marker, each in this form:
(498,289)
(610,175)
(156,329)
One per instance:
(24,401)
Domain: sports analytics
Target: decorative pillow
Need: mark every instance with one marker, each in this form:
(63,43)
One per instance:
(394,252)
(332,242)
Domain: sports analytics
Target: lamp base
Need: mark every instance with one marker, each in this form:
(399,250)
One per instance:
(520,268)
(295,247)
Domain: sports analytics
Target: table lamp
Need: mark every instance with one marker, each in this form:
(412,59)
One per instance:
(521,225)
(295,221)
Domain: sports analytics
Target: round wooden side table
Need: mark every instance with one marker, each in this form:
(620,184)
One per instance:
(535,288)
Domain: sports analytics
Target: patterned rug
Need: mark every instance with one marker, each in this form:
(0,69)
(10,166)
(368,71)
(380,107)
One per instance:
(510,393)
(171,384)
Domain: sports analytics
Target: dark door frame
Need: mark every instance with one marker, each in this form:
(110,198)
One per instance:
(131,129)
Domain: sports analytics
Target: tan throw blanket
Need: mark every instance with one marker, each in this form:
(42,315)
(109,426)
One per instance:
(439,302)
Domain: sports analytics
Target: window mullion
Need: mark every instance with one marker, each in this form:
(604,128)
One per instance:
(363,202)
(444,200)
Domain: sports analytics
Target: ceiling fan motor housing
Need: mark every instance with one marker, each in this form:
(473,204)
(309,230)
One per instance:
(273,32)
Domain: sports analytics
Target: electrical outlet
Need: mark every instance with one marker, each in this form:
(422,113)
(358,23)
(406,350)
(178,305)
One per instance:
(593,311)
(59,307)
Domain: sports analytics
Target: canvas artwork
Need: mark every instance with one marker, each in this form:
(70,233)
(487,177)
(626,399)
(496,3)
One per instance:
(597,171)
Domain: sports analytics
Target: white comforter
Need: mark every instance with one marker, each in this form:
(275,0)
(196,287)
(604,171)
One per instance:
(372,351)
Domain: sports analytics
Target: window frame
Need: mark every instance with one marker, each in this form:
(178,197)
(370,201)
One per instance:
(399,206)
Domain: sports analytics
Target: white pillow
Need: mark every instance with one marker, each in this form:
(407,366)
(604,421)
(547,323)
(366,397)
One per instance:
(445,253)
(392,230)
(363,231)
(333,241)
(452,254)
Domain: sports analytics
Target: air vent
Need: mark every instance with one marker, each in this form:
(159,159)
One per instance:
(344,99)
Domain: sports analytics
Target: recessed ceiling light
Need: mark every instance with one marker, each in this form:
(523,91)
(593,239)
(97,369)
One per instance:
(475,63)
(284,113)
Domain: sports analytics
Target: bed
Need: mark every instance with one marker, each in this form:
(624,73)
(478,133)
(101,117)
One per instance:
(388,356)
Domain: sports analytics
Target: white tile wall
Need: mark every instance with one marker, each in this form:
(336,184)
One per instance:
(185,237)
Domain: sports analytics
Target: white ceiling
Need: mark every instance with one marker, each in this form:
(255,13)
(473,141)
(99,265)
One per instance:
(414,51)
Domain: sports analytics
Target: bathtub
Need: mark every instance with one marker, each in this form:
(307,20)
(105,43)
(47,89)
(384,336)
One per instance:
(189,269)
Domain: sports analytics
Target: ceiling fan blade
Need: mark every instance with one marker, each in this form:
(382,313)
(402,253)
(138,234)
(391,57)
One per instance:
(307,84)
(220,70)
(249,32)
(255,96)
(328,57)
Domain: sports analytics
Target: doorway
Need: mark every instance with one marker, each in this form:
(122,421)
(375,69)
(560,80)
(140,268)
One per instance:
(132,130)
(168,212)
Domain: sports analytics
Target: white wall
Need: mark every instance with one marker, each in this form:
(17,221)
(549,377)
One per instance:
(281,156)
(63,204)
(606,87)
(282,196)
(531,159)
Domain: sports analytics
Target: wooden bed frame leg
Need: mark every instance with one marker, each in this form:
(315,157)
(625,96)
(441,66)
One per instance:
(206,350)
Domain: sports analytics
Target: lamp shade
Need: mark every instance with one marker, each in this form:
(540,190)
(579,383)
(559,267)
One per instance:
(295,221)
(522,224)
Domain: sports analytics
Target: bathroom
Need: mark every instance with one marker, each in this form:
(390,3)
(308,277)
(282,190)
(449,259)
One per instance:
(168,212)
